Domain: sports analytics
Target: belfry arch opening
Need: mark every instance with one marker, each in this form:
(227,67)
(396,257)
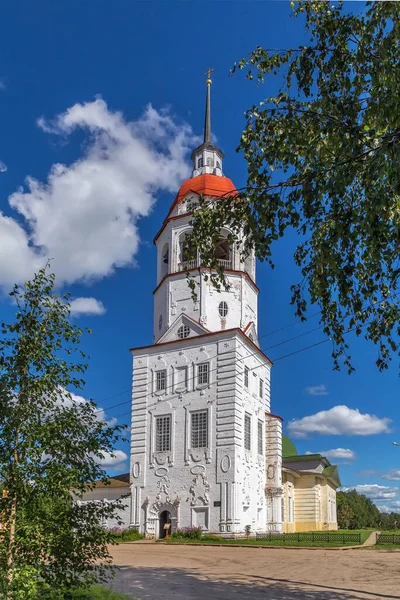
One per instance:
(223,251)
(186,258)
(165,260)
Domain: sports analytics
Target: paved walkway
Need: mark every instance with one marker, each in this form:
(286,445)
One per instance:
(160,572)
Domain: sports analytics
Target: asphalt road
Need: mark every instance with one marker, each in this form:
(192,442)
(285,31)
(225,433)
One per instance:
(160,572)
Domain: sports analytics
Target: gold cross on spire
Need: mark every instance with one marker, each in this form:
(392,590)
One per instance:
(208,75)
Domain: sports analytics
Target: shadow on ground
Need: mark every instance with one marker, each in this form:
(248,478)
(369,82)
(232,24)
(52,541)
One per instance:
(182,584)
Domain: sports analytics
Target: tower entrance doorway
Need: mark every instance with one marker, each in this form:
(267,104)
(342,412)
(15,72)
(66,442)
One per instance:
(165,519)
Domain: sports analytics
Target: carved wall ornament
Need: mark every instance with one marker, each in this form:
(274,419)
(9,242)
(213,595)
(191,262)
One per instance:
(136,469)
(161,472)
(225,463)
(200,488)
(271,471)
(197,469)
(272,492)
(197,455)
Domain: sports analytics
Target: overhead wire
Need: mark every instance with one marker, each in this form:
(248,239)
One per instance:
(171,386)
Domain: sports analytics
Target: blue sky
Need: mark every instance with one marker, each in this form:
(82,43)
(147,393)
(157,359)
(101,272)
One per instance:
(77,65)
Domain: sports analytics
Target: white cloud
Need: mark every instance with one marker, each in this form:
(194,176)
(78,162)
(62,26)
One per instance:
(3,167)
(374,491)
(337,454)
(86,306)
(85,215)
(392,507)
(113,459)
(339,420)
(393,475)
(317,390)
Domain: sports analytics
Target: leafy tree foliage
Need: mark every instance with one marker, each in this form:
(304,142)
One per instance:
(323,156)
(49,445)
(356,511)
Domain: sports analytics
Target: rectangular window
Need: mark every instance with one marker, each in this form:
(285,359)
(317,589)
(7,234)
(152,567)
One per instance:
(260,437)
(203,374)
(261,389)
(247,432)
(246,377)
(161,380)
(163,434)
(199,433)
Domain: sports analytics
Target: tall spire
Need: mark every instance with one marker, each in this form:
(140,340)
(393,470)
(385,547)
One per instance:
(207,117)
(207,158)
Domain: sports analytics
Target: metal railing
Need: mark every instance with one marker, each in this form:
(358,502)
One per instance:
(323,536)
(388,538)
(192,264)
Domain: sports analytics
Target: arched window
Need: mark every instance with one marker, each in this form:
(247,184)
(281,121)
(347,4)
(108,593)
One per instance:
(209,162)
(183,332)
(164,260)
(200,162)
(223,309)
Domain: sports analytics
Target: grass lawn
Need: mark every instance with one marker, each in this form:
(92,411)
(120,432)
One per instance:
(98,592)
(365,533)
(208,539)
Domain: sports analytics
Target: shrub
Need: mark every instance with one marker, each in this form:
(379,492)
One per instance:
(192,533)
(126,535)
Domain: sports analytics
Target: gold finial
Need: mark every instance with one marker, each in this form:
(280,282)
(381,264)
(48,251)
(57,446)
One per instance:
(208,75)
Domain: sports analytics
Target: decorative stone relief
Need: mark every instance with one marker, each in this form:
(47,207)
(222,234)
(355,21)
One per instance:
(225,463)
(200,488)
(260,485)
(246,487)
(272,492)
(161,472)
(271,471)
(162,458)
(136,470)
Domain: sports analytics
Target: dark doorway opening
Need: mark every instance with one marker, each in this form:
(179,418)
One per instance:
(165,519)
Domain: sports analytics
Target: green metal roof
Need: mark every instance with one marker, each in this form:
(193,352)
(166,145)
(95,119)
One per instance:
(303,458)
(288,448)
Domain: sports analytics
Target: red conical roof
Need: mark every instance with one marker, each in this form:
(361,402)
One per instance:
(209,185)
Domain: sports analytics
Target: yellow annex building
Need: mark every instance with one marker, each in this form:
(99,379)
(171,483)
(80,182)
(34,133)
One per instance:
(309,484)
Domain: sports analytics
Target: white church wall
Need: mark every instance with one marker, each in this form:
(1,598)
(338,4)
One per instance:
(213,486)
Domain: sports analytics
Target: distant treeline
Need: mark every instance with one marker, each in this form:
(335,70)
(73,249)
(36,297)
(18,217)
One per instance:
(355,511)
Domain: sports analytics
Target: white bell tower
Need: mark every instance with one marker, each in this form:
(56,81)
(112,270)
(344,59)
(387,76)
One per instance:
(201,422)
(212,310)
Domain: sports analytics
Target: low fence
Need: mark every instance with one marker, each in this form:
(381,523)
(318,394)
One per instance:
(323,536)
(388,538)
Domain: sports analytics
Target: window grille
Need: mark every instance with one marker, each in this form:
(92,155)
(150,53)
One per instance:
(183,332)
(261,388)
(163,434)
(223,309)
(203,374)
(199,433)
(161,380)
(247,432)
(260,437)
(246,377)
